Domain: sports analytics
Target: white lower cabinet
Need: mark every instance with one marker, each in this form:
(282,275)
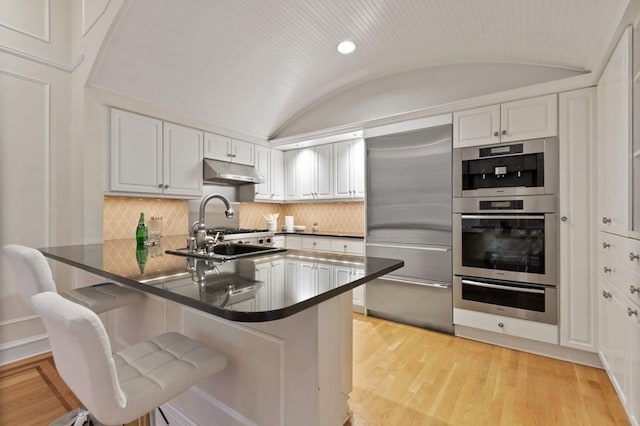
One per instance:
(351,246)
(506,325)
(271,275)
(619,326)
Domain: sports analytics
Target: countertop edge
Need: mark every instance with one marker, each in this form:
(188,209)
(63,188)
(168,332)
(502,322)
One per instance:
(262,316)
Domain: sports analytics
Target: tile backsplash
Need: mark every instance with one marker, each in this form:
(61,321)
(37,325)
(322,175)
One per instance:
(120,216)
(339,217)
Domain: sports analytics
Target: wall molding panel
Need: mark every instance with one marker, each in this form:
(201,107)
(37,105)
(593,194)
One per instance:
(18,320)
(15,21)
(43,61)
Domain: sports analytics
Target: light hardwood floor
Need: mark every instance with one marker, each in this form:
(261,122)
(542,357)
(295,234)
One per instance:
(410,376)
(402,376)
(32,393)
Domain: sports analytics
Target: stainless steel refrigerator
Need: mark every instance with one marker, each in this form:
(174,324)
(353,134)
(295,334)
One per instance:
(408,208)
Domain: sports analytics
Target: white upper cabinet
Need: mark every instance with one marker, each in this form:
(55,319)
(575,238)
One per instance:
(182,151)
(230,150)
(479,126)
(309,173)
(348,179)
(277,175)
(270,163)
(512,121)
(614,140)
(146,159)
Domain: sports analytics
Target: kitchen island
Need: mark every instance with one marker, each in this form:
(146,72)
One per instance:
(283,320)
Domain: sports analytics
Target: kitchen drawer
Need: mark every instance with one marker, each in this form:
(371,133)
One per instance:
(293,242)
(505,325)
(630,286)
(347,245)
(316,243)
(612,245)
(631,257)
(612,270)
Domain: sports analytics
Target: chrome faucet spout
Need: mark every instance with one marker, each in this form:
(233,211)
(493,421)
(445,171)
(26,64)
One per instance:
(200,229)
(203,204)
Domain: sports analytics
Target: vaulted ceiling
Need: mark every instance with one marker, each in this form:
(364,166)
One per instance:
(252,66)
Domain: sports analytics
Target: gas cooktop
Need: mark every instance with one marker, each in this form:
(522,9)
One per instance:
(254,236)
(231,231)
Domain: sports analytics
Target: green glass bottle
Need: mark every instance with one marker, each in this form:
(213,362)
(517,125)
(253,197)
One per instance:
(141,231)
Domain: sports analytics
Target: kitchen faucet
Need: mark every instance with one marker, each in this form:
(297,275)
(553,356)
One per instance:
(202,239)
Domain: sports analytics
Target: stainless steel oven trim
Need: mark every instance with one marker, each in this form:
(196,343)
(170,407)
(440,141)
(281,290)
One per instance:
(502,216)
(550,316)
(530,204)
(503,287)
(550,277)
(551,162)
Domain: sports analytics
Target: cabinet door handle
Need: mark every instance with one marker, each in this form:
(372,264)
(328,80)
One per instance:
(606,245)
(166,186)
(504,132)
(606,294)
(496,133)
(606,220)
(159,185)
(633,256)
(564,218)
(606,269)
(634,289)
(632,312)
(501,325)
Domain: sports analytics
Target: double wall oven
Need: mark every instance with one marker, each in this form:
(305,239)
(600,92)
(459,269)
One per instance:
(505,227)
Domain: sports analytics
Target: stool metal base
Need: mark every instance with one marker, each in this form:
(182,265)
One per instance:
(77,417)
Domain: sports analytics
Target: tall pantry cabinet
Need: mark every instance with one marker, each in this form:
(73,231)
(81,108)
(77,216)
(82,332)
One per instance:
(618,264)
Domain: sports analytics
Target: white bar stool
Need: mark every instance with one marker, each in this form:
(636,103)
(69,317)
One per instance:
(121,387)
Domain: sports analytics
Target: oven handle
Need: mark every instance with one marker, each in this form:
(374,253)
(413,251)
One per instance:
(492,216)
(502,287)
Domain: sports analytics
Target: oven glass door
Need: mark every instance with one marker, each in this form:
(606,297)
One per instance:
(517,247)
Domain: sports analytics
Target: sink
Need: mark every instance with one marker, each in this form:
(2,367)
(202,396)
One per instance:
(229,251)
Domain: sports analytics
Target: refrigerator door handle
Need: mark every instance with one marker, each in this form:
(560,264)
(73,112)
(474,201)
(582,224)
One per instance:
(412,282)
(428,248)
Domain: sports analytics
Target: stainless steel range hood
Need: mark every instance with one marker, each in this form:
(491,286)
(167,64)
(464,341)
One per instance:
(221,172)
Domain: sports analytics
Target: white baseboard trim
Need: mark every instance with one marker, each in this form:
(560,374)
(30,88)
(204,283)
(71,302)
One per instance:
(539,348)
(24,348)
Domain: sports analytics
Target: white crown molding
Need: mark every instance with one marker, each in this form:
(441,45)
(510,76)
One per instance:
(43,61)
(86,28)
(46,31)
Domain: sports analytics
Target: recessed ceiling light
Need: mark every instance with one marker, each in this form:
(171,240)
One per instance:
(346,47)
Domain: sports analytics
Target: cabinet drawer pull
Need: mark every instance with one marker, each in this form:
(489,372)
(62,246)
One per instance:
(159,185)
(495,133)
(634,289)
(504,132)
(606,245)
(501,325)
(166,186)
(632,312)
(633,256)
(606,294)
(606,220)
(564,218)
(606,269)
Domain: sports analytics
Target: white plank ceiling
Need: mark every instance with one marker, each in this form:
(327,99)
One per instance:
(251,65)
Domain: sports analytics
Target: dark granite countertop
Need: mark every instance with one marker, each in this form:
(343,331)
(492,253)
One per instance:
(255,289)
